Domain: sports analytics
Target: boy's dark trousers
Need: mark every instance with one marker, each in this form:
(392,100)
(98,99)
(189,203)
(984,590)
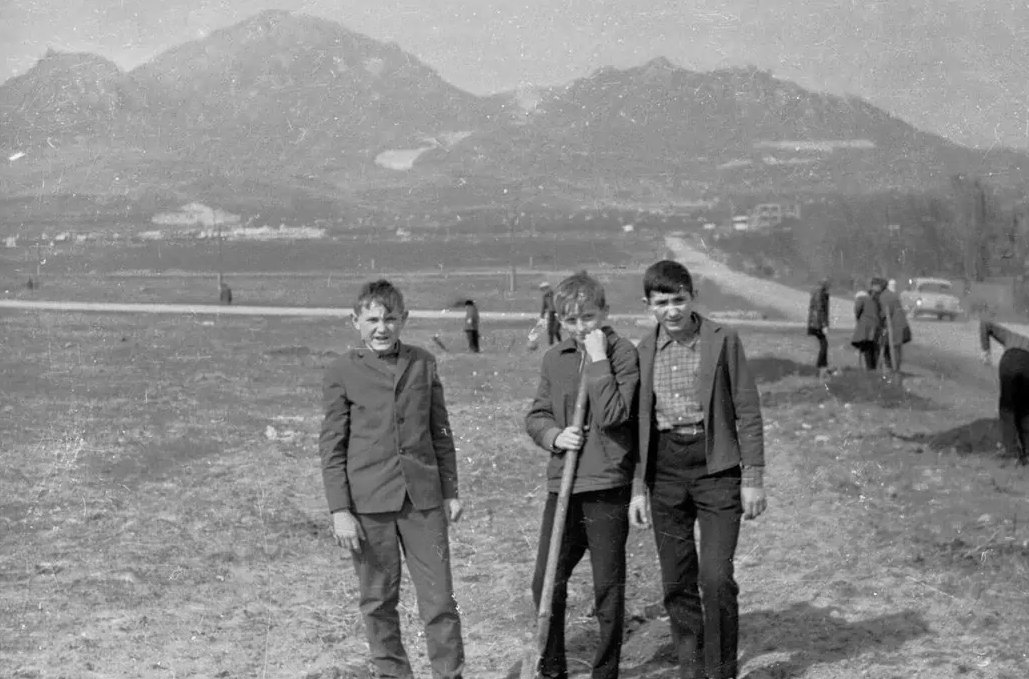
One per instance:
(553,330)
(704,621)
(597,521)
(1013,372)
(823,347)
(473,340)
(422,536)
(869,354)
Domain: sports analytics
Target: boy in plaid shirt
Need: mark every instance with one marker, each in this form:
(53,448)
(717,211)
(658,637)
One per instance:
(701,446)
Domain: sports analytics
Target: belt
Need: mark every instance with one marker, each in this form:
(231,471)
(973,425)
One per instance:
(685,430)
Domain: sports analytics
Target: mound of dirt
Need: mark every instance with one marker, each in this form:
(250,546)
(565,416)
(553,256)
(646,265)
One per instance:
(979,437)
(849,386)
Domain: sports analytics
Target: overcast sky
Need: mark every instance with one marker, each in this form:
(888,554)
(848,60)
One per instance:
(956,67)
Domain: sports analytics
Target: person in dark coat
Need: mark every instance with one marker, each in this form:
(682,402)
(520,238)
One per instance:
(866,329)
(894,331)
(818,324)
(1013,374)
(548,312)
(225,296)
(471,325)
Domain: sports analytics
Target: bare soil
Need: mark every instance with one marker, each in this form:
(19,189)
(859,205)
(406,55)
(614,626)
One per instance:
(161,512)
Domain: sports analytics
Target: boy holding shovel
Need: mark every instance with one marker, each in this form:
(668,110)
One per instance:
(597,510)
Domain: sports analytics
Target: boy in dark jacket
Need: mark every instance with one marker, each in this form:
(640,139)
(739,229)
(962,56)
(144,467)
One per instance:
(598,518)
(389,466)
(1013,374)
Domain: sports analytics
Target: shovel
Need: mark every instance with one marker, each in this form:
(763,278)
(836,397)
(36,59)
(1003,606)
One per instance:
(530,668)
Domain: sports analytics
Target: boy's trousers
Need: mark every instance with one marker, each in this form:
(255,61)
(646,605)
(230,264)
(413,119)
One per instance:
(704,619)
(422,536)
(823,347)
(1013,373)
(597,521)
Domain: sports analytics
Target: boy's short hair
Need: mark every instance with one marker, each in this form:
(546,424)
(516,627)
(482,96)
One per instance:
(667,276)
(578,289)
(381,291)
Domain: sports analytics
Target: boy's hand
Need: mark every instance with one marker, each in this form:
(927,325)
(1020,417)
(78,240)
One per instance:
(452,508)
(347,531)
(754,502)
(639,511)
(595,344)
(570,438)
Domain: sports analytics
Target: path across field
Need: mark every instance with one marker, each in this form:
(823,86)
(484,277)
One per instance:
(329,312)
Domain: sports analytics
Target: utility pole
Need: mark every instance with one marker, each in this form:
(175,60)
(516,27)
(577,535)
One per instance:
(512,282)
(220,267)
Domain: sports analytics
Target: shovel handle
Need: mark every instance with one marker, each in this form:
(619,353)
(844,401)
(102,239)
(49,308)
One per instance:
(560,515)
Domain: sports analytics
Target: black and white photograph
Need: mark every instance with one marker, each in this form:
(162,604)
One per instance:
(514,339)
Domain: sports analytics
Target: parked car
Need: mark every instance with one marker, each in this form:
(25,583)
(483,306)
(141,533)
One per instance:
(931,297)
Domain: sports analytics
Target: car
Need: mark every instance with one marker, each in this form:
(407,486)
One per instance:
(931,297)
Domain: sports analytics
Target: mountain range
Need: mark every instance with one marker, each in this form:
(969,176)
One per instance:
(294,114)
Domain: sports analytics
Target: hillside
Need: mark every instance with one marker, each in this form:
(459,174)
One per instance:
(300,114)
(725,130)
(64,97)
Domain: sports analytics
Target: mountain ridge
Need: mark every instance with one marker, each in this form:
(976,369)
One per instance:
(304,104)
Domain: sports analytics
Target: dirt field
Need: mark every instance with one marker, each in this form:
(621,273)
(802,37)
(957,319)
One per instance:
(161,513)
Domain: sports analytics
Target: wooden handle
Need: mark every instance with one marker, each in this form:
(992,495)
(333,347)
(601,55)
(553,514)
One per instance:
(558,527)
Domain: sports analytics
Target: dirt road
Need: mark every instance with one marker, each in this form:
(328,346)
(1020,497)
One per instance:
(324,312)
(960,338)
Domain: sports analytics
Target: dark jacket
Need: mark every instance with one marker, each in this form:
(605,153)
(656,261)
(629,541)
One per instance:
(818,309)
(471,318)
(890,307)
(608,454)
(732,407)
(1004,336)
(866,316)
(386,433)
(548,311)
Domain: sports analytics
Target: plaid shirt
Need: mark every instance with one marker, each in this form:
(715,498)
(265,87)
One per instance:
(677,391)
(676,377)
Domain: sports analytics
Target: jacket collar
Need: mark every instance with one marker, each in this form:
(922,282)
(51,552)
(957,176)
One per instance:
(372,360)
(712,337)
(664,338)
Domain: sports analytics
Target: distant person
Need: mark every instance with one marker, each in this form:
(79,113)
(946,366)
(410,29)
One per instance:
(818,325)
(471,325)
(598,510)
(225,295)
(894,331)
(389,466)
(702,460)
(866,329)
(549,314)
(1013,374)
(31,284)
